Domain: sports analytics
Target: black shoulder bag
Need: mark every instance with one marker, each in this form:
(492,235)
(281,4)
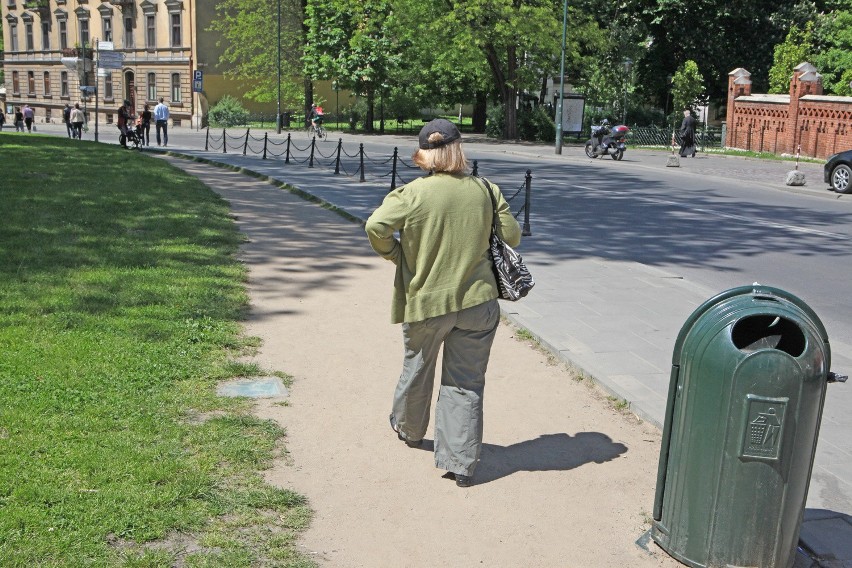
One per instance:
(514,280)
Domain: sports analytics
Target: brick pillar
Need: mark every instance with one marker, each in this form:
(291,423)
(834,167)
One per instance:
(739,85)
(805,81)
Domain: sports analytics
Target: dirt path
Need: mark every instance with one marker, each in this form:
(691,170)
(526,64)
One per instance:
(564,480)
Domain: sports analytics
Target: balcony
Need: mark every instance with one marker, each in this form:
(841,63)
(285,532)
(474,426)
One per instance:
(121,2)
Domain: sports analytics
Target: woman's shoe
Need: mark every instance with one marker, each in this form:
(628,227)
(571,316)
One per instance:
(463,480)
(395,427)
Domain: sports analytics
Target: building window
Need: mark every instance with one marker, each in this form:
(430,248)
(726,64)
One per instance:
(16,83)
(45,35)
(63,83)
(46,81)
(175,30)
(28,31)
(63,34)
(84,32)
(13,35)
(150,32)
(108,87)
(176,88)
(107,23)
(31,83)
(128,32)
(152,87)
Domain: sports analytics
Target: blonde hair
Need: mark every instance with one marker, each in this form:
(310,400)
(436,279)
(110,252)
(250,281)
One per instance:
(448,158)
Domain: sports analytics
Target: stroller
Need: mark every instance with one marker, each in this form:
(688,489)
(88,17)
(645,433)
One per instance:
(136,136)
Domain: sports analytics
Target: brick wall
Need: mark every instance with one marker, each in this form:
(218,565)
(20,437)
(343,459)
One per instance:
(821,125)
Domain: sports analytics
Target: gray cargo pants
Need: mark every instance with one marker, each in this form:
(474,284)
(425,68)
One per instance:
(467,336)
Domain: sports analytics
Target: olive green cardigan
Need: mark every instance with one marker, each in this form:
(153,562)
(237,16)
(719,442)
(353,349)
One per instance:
(441,256)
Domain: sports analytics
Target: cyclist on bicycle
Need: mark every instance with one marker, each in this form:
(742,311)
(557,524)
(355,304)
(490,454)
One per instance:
(316,117)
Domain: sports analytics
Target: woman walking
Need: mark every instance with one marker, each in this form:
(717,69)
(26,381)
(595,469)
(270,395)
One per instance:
(77,120)
(444,294)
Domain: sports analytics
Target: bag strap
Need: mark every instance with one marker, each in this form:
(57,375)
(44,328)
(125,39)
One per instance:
(493,203)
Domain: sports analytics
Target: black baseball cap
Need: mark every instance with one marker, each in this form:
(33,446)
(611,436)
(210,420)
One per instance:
(444,127)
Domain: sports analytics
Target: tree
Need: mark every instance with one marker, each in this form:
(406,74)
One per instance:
(835,57)
(796,48)
(250,32)
(687,85)
(719,35)
(350,41)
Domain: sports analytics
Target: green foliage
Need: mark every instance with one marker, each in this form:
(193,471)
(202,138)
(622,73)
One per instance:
(534,123)
(250,32)
(352,42)
(834,60)
(796,48)
(687,85)
(228,111)
(120,302)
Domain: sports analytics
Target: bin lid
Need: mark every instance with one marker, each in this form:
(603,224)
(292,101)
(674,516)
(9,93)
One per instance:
(756,291)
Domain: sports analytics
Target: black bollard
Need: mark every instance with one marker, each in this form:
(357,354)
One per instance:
(526,229)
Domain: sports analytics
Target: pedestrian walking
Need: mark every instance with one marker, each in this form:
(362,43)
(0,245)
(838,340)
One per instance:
(445,294)
(29,116)
(2,118)
(19,120)
(687,134)
(77,119)
(66,118)
(146,125)
(161,116)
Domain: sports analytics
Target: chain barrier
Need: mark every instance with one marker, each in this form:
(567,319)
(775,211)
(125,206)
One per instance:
(334,159)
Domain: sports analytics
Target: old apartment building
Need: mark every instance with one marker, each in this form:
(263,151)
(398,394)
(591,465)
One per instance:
(52,50)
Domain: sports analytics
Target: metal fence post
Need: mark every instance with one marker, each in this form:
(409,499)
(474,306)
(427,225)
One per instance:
(526,229)
(313,146)
(224,141)
(361,153)
(393,168)
(287,159)
(265,138)
(337,161)
(245,145)
(207,139)
(475,171)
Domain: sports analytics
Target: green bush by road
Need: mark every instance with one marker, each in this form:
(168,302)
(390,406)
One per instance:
(120,302)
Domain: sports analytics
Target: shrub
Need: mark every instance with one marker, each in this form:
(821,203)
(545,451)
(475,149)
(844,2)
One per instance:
(228,112)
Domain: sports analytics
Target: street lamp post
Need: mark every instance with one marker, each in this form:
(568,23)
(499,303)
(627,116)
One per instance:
(278,104)
(628,65)
(559,102)
(336,87)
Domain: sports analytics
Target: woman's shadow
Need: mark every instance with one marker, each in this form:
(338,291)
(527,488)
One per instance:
(549,452)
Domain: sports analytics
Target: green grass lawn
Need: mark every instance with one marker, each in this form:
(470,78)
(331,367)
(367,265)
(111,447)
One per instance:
(120,307)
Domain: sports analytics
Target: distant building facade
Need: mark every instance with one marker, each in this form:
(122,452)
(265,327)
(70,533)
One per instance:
(805,119)
(51,51)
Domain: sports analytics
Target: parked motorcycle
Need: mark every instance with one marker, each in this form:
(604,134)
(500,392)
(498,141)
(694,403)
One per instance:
(606,141)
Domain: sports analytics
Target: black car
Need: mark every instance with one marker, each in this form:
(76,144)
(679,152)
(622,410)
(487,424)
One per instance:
(838,172)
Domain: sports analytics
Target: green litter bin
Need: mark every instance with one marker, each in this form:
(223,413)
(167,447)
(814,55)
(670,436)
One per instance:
(749,374)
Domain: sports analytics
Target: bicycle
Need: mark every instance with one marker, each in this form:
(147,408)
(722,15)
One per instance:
(318,130)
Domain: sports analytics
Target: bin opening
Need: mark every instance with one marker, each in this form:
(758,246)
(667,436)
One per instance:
(768,332)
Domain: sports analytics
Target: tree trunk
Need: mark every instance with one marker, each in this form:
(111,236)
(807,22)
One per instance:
(309,100)
(505,83)
(480,106)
